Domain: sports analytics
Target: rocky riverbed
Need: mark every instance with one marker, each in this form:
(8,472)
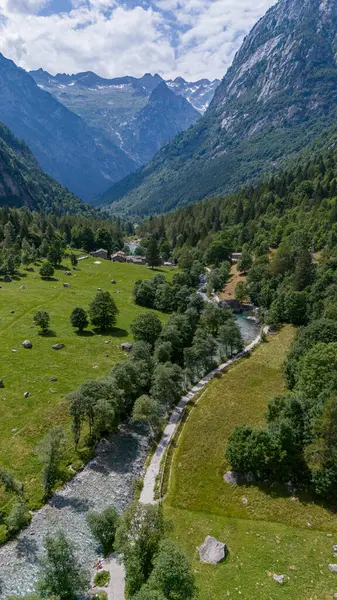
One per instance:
(106,480)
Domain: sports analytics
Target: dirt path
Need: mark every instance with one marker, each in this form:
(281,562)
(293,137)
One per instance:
(148,492)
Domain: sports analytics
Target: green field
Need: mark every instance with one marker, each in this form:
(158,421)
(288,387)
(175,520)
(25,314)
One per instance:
(268,533)
(87,356)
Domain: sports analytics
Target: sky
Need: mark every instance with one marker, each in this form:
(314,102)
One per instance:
(187,38)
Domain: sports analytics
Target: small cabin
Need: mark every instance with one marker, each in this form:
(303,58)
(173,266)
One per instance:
(236,256)
(136,260)
(119,257)
(101,253)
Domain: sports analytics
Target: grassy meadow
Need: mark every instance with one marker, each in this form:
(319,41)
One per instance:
(267,531)
(24,421)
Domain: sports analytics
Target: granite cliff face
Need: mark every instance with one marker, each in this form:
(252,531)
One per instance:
(279,95)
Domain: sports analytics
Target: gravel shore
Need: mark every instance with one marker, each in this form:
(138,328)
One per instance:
(106,480)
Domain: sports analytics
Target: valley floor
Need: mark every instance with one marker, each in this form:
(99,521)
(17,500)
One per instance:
(267,530)
(24,421)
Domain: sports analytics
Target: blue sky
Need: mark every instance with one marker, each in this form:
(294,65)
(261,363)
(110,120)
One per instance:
(189,38)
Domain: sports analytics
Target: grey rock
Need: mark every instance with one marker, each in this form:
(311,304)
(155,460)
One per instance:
(58,346)
(26,395)
(231,477)
(99,289)
(113,281)
(68,273)
(126,346)
(278,578)
(11,312)
(332,568)
(27,344)
(334,548)
(52,391)
(22,287)
(53,379)
(212,551)
(14,430)
(2,385)
(14,351)
(7,278)
(67,285)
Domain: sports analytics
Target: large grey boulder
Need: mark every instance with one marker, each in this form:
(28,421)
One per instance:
(278,578)
(332,568)
(212,551)
(27,344)
(126,347)
(58,346)
(66,285)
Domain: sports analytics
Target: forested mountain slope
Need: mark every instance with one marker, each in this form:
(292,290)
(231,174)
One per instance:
(22,182)
(279,94)
(62,143)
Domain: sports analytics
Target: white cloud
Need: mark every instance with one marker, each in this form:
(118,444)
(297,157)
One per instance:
(191,38)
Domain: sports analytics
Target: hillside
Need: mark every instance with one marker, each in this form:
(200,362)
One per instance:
(128,110)
(279,94)
(22,182)
(63,144)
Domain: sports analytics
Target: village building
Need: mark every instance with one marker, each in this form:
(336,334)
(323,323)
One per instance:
(136,260)
(119,257)
(101,253)
(236,256)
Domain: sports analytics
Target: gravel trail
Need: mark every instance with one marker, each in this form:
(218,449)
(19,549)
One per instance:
(106,480)
(148,492)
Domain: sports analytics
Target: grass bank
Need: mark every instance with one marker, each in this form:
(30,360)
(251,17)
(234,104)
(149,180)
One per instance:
(89,356)
(266,531)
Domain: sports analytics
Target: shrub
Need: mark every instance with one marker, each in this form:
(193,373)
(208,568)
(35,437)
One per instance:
(102,578)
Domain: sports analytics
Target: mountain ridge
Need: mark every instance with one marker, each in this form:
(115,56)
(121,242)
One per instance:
(279,93)
(23,183)
(62,143)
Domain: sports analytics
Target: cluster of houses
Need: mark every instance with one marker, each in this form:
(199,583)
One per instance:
(122,257)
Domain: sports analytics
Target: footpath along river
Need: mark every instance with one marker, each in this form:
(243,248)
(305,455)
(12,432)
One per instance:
(106,480)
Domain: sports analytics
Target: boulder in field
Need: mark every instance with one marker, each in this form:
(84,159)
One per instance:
(126,346)
(2,385)
(278,578)
(26,395)
(27,344)
(58,346)
(7,278)
(113,281)
(212,551)
(66,285)
(332,568)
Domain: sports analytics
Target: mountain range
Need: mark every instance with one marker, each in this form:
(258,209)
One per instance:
(90,132)
(129,111)
(277,99)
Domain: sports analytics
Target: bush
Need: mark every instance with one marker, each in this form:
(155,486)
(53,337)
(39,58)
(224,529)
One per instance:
(42,319)
(79,319)
(102,578)
(103,311)
(46,270)
(146,328)
(103,527)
